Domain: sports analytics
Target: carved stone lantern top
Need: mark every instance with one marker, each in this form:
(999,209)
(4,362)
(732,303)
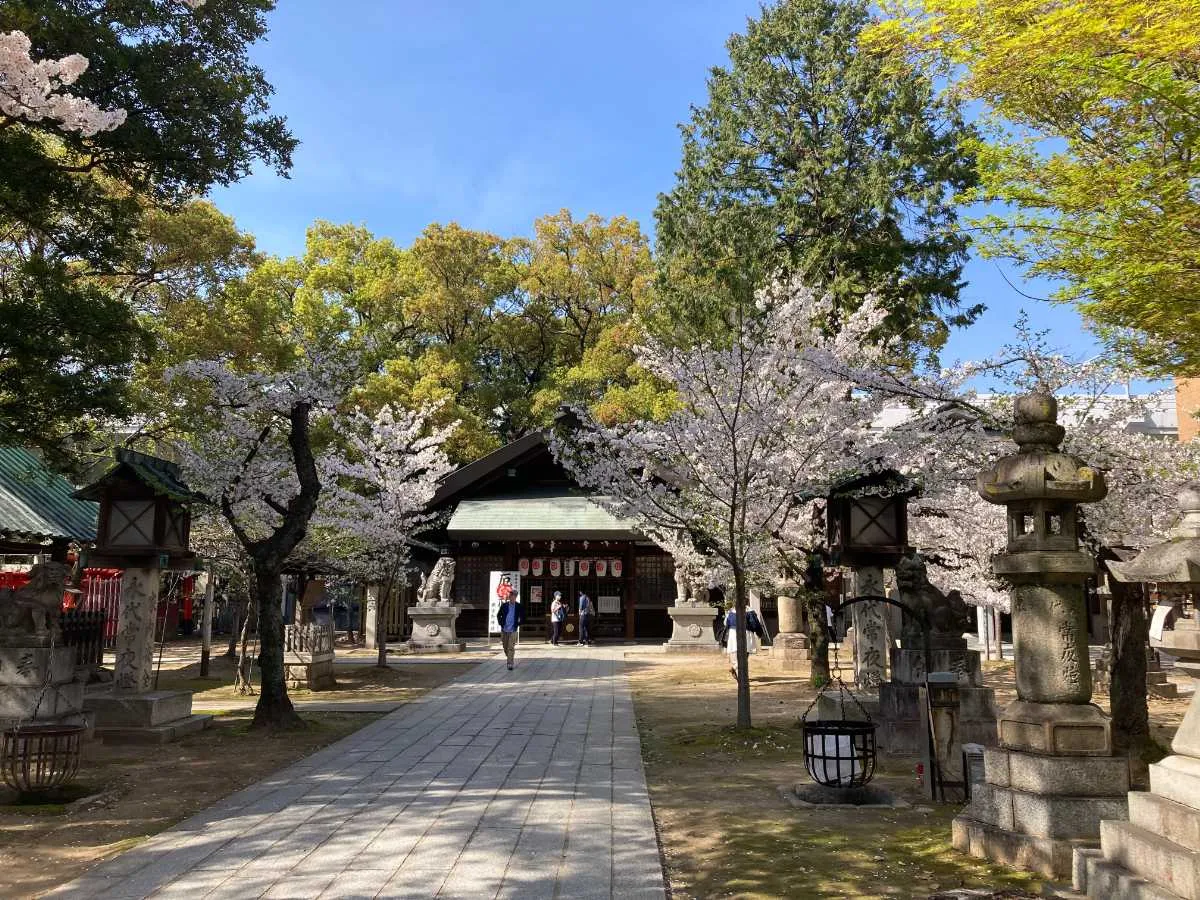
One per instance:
(1175,560)
(1042,488)
(1038,470)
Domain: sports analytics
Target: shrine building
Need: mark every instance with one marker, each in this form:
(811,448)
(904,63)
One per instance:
(517,509)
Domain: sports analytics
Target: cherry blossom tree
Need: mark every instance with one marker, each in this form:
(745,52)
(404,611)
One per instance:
(32,90)
(763,423)
(253,458)
(377,494)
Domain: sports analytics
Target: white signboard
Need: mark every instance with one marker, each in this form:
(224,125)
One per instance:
(499,584)
(608,604)
(1159,622)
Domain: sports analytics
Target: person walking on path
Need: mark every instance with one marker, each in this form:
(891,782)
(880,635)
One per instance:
(585,619)
(509,617)
(558,615)
(754,631)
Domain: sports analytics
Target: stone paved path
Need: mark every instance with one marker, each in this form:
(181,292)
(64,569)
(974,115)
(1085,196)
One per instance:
(526,784)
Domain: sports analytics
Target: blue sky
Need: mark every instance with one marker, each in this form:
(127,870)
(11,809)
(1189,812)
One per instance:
(492,114)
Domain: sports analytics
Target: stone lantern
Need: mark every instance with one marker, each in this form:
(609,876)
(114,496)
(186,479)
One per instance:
(1054,777)
(1158,845)
(144,527)
(867,521)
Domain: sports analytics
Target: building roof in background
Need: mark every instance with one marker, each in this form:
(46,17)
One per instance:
(561,514)
(37,505)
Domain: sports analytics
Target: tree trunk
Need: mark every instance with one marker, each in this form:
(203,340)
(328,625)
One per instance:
(274,709)
(237,623)
(818,638)
(381,611)
(743,657)
(1127,686)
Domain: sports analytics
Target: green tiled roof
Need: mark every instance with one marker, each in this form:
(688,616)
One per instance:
(160,475)
(38,505)
(542,515)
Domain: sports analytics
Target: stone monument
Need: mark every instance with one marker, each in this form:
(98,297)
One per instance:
(1158,849)
(1054,776)
(902,716)
(789,652)
(434,615)
(692,615)
(38,682)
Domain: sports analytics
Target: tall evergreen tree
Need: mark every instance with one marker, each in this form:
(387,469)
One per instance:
(823,160)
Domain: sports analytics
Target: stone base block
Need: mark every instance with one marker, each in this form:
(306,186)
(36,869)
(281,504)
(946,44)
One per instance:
(24,702)
(902,719)
(1067,776)
(1177,778)
(146,710)
(418,647)
(908,666)
(1056,729)
(1152,857)
(829,707)
(692,648)
(316,675)
(1162,816)
(1094,876)
(1050,857)
(29,665)
(163,733)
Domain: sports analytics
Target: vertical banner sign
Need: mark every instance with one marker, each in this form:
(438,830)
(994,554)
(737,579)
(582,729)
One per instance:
(523,566)
(601,568)
(616,566)
(569,568)
(585,567)
(496,594)
(537,566)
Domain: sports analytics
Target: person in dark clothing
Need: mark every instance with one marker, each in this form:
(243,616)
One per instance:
(509,617)
(586,611)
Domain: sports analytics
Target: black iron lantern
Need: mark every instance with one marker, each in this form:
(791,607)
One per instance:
(839,753)
(145,515)
(867,519)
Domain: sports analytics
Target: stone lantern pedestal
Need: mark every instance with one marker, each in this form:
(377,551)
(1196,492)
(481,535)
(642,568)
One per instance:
(433,628)
(1053,778)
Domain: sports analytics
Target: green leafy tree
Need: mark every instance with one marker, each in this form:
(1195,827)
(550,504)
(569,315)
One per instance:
(819,158)
(1093,118)
(78,241)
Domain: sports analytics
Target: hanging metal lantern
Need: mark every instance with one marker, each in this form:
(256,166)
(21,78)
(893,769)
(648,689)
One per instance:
(38,758)
(839,753)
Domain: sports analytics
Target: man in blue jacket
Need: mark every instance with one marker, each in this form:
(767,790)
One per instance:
(509,617)
(586,611)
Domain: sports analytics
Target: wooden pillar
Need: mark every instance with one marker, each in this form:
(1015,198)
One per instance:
(629,592)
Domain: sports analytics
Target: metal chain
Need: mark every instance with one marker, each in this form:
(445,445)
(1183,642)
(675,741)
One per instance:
(842,688)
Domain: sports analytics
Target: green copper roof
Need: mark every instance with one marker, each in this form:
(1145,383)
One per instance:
(37,505)
(160,475)
(543,515)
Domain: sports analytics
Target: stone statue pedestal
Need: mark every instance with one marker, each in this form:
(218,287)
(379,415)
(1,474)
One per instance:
(902,717)
(23,673)
(308,656)
(433,628)
(692,628)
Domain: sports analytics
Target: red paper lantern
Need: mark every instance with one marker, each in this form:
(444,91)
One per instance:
(523,566)
(585,567)
(601,568)
(616,565)
(537,567)
(555,567)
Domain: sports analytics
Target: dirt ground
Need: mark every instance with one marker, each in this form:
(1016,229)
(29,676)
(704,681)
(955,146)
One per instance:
(127,793)
(358,682)
(724,828)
